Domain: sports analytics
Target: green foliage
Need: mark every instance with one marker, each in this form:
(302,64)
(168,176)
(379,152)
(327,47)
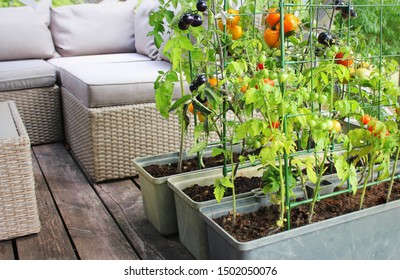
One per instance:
(370,20)
(282,102)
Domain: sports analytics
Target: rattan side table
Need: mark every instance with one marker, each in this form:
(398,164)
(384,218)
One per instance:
(18,206)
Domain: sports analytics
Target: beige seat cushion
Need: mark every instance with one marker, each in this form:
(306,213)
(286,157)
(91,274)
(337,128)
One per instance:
(61,62)
(25,74)
(110,84)
(66,61)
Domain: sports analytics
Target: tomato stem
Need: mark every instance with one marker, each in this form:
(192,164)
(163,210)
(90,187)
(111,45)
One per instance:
(392,175)
(370,169)
(317,189)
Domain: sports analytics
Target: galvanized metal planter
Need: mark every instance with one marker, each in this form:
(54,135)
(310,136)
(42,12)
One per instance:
(192,229)
(362,235)
(158,198)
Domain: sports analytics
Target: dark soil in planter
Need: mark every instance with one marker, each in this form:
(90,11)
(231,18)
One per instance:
(242,184)
(259,224)
(188,165)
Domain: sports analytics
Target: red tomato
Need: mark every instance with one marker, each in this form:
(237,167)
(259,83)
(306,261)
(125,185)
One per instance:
(344,61)
(365,119)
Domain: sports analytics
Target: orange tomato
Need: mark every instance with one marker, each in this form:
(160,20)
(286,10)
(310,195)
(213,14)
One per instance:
(236,32)
(269,81)
(213,81)
(191,108)
(290,24)
(233,21)
(271,37)
(243,86)
(221,25)
(348,62)
(365,119)
(201,117)
(273,17)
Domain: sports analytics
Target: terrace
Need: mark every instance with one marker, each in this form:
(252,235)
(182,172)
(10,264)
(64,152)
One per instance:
(88,221)
(93,130)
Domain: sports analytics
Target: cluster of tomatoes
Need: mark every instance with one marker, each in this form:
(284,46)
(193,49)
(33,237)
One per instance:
(232,24)
(325,124)
(374,126)
(272,32)
(193,18)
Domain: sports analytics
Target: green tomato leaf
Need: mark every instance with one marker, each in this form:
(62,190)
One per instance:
(198,147)
(217,152)
(219,190)
(312,176)
(180,102)
(353,180)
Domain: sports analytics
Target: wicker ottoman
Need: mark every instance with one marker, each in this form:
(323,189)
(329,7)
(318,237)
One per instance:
(18,207)
(110,116)
(106,140)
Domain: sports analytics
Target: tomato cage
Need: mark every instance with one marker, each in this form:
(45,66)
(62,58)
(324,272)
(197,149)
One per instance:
(308,89)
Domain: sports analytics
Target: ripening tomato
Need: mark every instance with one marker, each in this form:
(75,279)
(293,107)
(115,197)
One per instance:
(273,17)
(271,37)
(290,24)
(213,81)
(269,81)
(275,124)
(191,108)
(201,117)
(336,126)
(234,17)
(363,74)
(236,31)
(221,25)
(348,62)
(365,119)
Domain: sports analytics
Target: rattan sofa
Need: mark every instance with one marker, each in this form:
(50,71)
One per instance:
(101,93)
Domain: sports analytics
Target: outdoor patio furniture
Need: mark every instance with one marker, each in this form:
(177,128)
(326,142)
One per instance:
(101,58)
(18,207)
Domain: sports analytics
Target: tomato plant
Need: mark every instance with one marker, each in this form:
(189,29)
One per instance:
(281,98)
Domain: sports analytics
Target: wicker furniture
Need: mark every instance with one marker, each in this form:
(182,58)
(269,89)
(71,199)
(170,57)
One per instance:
(18,207)
(106,64)
(40,110)
(106,140)
(31,84)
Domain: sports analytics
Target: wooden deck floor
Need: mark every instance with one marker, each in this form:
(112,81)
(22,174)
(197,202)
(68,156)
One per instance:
(81,220)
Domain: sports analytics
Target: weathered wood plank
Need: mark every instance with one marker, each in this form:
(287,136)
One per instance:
(124,201)
(6,250)
(52,242)
(91,228)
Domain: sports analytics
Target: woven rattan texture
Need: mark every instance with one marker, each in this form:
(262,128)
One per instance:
(18,207)
(106,140)
(40,110)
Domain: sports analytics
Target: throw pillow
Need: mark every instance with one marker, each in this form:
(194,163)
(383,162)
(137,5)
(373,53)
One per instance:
(88,29)
(25,33)
(145,44)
